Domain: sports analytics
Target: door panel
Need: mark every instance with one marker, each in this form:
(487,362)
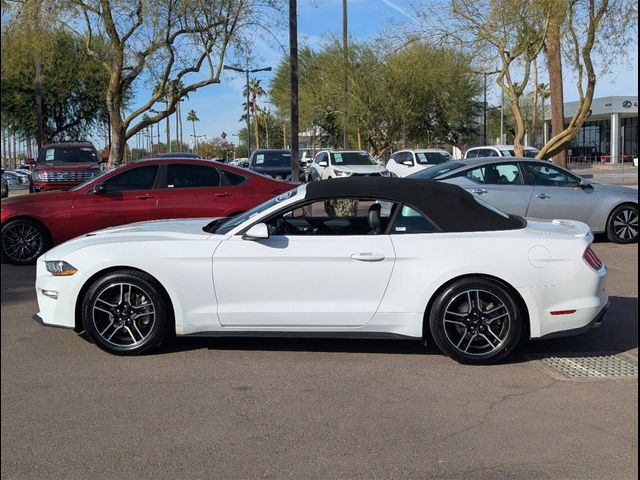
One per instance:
(195,202)
(512,199)
(96,211)
(571,203)
(301,281)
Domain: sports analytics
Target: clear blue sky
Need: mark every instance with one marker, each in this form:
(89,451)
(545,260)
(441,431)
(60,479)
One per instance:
(219,107)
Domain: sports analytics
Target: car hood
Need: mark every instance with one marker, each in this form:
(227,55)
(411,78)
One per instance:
(360,168)
(615,189)
(155,230)
(40,197)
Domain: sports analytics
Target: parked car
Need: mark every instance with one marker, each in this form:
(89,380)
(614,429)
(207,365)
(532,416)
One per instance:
(405,162)
(540,189)
(345,163)
(4,191)
(499,151)
(23,178)
(129,287)
(274,163)
(61,166)
(144,190)
(12,178)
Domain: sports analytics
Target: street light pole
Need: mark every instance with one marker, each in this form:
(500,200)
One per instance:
(247,71)
(293,66)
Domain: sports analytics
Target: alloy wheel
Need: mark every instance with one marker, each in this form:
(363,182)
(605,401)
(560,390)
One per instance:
(476,322)
(22,242)
(123,314)
(625,224)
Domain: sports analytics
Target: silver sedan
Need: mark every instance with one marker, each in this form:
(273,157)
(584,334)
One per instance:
(540,189)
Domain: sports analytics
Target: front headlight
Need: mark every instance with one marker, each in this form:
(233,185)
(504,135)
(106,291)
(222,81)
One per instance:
(36,176)
(60,268)
(342,173)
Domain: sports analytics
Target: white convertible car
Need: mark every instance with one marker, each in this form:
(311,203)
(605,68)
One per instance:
(358,257)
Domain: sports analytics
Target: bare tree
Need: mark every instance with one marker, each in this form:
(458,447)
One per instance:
(514,32)
(587,26)
(165,40)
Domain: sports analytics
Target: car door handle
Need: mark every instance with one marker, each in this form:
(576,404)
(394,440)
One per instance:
(543,196)
(145,197)
(479,191)
(224,194)
(368,257)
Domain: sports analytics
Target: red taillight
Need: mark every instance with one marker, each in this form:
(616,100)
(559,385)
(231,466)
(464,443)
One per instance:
(592,259)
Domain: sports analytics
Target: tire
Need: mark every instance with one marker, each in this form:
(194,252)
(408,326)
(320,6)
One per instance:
(126,313)
(622,226)
(23,241)
(476,336)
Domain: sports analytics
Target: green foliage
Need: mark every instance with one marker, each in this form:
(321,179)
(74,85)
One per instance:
(73,86)
(419,94)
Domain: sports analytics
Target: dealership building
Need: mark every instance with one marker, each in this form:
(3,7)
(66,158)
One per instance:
(610,133)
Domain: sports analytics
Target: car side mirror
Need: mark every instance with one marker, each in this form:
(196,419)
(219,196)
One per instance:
(585,184)
(99,189)
(259,231)
(323,163)
(30,161)
(408,163)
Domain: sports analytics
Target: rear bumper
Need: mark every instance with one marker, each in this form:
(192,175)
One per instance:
(592,325)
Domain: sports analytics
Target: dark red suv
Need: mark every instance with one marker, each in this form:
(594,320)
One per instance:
(146,190)
(63,165)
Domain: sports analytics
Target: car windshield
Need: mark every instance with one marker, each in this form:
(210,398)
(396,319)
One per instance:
(433,172)
(224,226)
(68,155)
(97,179)
(352,158)
(432,158)
(271,159)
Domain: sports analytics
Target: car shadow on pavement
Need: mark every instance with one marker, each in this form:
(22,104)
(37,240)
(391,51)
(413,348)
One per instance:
(618,333)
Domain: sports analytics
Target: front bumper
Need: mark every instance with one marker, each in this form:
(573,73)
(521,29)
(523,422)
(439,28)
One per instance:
(60,311)
(47,186)
(38,319)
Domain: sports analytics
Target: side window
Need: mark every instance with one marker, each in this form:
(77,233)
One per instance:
(233,179)
(407,156)
(140,178)
(184,175)
(322,156)
(496,174)
(409,220)
(472,154)
(337,216)
(544,174)
(490,152)
(475,175)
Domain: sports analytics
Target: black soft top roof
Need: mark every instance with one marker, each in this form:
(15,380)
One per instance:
(450,207)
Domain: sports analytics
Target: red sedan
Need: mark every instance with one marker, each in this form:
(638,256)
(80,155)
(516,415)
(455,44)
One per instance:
(146,190)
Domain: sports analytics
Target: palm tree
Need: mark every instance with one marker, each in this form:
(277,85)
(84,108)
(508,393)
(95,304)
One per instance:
(192,117)
(255,91)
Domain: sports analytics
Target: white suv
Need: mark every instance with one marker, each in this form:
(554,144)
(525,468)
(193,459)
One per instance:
(405,162)
(344,163)
(499,151)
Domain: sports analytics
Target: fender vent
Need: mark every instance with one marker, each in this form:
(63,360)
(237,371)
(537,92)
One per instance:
(592,366)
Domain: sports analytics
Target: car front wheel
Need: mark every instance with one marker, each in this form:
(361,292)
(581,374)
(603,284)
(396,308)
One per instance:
(476,321)
(23,241)
(623,224)
(126,313)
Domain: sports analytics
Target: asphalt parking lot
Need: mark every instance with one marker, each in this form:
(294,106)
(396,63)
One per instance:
(276,408)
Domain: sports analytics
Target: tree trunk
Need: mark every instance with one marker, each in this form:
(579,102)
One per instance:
(168,130)
(117,153)
(195,139)
(38,85)
(256,126)
(284,135)
(533,129)
(554,59)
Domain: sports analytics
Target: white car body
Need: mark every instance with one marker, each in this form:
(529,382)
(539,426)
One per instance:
(498,151)
(319,285)
(327,165)
(409,161)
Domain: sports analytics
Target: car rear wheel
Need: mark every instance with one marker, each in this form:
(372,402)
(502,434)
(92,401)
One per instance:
(476,321)
(23,241)
(623,224)
(126,313)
